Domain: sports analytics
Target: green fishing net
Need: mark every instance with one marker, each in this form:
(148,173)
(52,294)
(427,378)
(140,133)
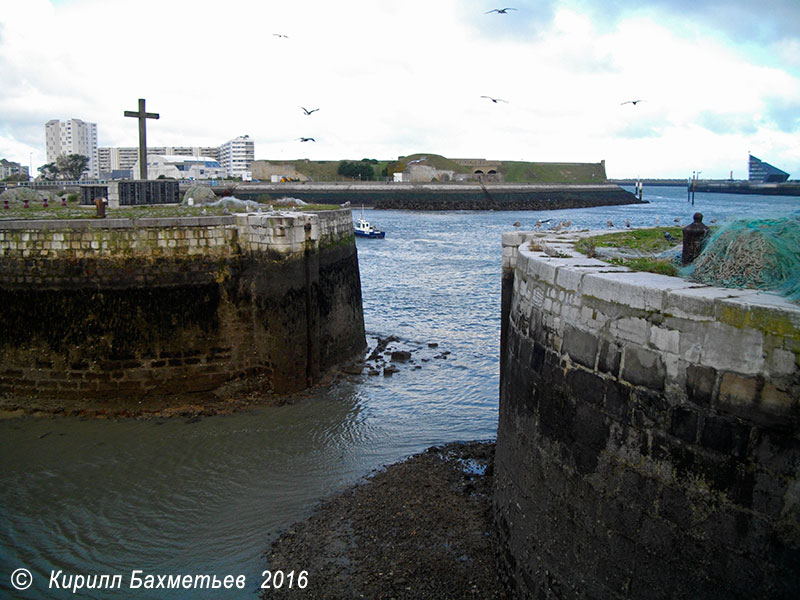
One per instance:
(760,254)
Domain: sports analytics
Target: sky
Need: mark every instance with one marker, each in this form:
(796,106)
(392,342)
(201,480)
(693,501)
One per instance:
(716,79)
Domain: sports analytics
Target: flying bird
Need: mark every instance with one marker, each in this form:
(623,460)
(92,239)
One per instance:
(308,112)
(634,102)
(495,100)
(500,11)
(306,139)
(280,35)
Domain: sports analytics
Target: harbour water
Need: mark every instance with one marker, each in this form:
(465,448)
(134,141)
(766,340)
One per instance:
(207,497)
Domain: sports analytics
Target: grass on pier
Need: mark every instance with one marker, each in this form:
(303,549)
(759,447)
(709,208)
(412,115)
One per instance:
(641,241)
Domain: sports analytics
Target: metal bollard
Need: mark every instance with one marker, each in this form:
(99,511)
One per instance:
(694,236)
(100,204)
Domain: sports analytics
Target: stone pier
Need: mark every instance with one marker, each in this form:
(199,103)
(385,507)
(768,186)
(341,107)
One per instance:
(648,442)
(119,308)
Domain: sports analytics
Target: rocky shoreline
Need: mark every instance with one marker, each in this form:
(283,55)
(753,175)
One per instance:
(419,529)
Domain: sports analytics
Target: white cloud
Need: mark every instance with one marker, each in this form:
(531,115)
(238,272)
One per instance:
(391,78)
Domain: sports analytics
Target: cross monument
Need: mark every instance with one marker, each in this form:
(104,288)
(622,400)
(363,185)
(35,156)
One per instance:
(142,115)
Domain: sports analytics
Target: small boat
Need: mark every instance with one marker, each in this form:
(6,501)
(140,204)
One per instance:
(362,228)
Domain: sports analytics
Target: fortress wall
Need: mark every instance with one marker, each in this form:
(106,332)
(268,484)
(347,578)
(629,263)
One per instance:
(117,308)
(648,440)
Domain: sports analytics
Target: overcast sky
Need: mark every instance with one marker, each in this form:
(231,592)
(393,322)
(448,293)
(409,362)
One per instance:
(393,77)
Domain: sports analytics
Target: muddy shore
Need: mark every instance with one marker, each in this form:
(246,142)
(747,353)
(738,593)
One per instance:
(419,529)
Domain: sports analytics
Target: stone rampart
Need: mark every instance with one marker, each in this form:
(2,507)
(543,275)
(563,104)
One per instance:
(117,308)
(649,433)
(445,196)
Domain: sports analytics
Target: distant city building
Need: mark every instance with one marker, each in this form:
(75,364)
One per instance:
(237,155)
(761,172)
(8,168)
(73,137)
(181,167)
(121,159)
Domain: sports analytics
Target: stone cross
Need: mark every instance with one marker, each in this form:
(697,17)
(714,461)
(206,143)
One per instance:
(142,115)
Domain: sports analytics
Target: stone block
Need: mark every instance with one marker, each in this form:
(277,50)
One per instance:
(666,340)
(783,362)
(569,279)
(725,435)
(631,329)
(683,423)
(615,288)
(585,386)
(700,382)
(616,402)
(580,345)
(737,392)
(542,270)
(697,302)
(610,357)
(778,401)
(643,367)
(728,348)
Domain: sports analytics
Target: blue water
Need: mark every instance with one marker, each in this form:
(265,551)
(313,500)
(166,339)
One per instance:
(95,497)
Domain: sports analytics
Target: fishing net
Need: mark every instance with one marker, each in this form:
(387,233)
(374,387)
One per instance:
(752,253)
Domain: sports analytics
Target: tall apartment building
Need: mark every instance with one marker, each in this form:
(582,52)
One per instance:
(237,155)
(73,137)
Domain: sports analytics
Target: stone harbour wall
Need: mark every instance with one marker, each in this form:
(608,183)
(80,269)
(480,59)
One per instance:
(104,309)
(649,433)
(453,196)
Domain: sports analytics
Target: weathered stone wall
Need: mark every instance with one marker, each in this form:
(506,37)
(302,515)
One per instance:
(649,433)
(117,308)
(443,196)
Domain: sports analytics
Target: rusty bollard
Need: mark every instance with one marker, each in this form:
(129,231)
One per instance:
(694,236)
(100,203)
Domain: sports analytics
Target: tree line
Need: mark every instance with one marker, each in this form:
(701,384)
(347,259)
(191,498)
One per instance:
(66,166)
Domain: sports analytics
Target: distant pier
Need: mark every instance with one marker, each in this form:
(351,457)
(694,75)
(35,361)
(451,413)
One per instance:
(789,188)
(439,196)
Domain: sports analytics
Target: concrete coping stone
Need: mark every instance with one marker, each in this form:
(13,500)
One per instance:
(642,290)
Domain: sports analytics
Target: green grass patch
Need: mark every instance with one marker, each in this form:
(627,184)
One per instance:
(643,240)
(543,172)
(650,265)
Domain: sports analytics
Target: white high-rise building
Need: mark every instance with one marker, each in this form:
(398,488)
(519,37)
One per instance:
(237,155)
(73,137)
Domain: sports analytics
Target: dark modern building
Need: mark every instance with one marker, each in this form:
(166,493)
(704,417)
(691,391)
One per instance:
(761,172)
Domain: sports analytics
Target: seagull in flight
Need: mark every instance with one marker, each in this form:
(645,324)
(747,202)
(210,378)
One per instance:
(308,112)
(280,35)
(634,102)
(495,100)
(306,139)
(500,11)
